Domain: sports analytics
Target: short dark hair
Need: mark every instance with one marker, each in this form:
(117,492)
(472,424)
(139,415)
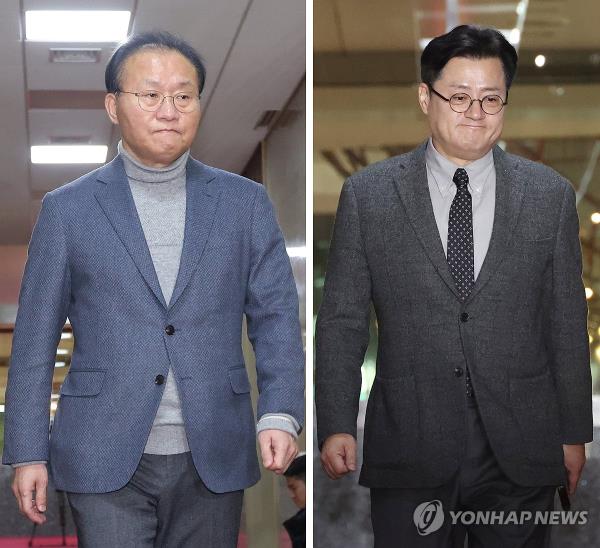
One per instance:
(297,469)
(469,41)
(152,40)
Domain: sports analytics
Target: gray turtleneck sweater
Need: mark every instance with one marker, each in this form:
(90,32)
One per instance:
(159,196)
(160,199)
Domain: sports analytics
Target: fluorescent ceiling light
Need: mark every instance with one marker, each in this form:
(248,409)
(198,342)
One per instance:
(69,154)
(66,335)
(60,364)
(299,251)
(76,26)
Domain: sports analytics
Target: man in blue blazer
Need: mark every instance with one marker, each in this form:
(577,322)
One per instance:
(154,258)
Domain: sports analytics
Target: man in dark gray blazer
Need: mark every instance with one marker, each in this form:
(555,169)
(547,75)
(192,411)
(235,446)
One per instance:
(471,258)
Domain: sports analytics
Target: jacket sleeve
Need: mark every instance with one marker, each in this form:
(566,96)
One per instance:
(569,337)
(272,315)
(342,328)
(42,310)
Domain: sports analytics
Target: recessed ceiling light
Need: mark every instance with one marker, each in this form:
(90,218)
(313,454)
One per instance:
(540,60)
(65,154)
(76,26)
(514,36)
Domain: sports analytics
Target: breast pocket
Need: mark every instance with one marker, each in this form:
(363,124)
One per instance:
(533,251)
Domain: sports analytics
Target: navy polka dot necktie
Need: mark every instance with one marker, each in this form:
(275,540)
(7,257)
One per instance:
(459,252)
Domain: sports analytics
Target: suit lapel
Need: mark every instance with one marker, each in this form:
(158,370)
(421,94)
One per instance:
(509,198)
(116,200)
(201,204)
(413,189)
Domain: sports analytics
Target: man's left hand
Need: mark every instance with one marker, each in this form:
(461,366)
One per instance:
(278,449)
(574,461)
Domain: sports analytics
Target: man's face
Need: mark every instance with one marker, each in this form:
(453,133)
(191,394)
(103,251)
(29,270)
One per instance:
(297,489)
(155,138)
(467,136)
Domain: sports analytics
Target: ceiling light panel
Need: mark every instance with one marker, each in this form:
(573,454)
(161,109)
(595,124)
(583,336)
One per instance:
(67,154)
(76,26)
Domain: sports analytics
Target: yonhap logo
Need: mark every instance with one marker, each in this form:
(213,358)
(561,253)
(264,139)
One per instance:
(428,517)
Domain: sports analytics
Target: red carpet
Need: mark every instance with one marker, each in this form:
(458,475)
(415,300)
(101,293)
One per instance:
(39,542)
(23,542)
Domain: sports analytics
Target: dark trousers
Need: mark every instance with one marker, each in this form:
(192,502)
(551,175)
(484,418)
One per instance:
(479,485)
(165,504)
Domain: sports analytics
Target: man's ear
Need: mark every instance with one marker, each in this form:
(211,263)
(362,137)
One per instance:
(110,104)
(424,96)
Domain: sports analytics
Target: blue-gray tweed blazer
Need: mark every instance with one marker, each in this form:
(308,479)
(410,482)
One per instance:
(88,260)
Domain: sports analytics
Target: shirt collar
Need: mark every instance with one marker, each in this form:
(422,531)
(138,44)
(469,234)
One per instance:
(443,169)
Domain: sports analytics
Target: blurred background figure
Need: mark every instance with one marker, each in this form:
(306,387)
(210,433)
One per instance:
(295,478)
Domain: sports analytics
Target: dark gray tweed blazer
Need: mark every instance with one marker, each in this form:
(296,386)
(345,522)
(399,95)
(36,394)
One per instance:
(522,332)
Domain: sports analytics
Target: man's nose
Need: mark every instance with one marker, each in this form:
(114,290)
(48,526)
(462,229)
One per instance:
(167,108)
(475,111)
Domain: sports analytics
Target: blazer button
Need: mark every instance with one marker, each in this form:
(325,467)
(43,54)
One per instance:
(458,371)
(169,330)
(464,317)
(159,379)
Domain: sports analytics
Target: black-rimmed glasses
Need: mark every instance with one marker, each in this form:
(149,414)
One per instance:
(461,102)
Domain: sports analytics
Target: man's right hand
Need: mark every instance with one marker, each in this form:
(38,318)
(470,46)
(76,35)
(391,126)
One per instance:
(338,455)
(28,479)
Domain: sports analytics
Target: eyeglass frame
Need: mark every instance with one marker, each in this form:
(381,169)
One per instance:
(138,93)
(504,103)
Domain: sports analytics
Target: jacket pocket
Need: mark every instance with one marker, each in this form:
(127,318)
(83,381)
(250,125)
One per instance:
(238,379)
(83,382)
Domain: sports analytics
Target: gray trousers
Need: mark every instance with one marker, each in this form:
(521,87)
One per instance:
(480,484)
(164,505)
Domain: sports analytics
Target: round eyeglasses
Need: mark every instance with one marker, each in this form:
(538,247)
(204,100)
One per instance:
(151,101)
(461,102)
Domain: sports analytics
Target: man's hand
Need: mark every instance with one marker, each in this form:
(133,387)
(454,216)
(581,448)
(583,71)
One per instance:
(574,461)
(27,480)
(338,455)
(277,449)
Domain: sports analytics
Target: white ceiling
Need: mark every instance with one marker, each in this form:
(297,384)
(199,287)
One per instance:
(254,51)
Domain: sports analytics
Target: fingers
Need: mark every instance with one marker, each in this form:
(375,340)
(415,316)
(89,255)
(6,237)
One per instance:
(29,508)
(266,452)
(29,488)
(573,480)
(338,456)
(278,449)
(40,498)
(574,458)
